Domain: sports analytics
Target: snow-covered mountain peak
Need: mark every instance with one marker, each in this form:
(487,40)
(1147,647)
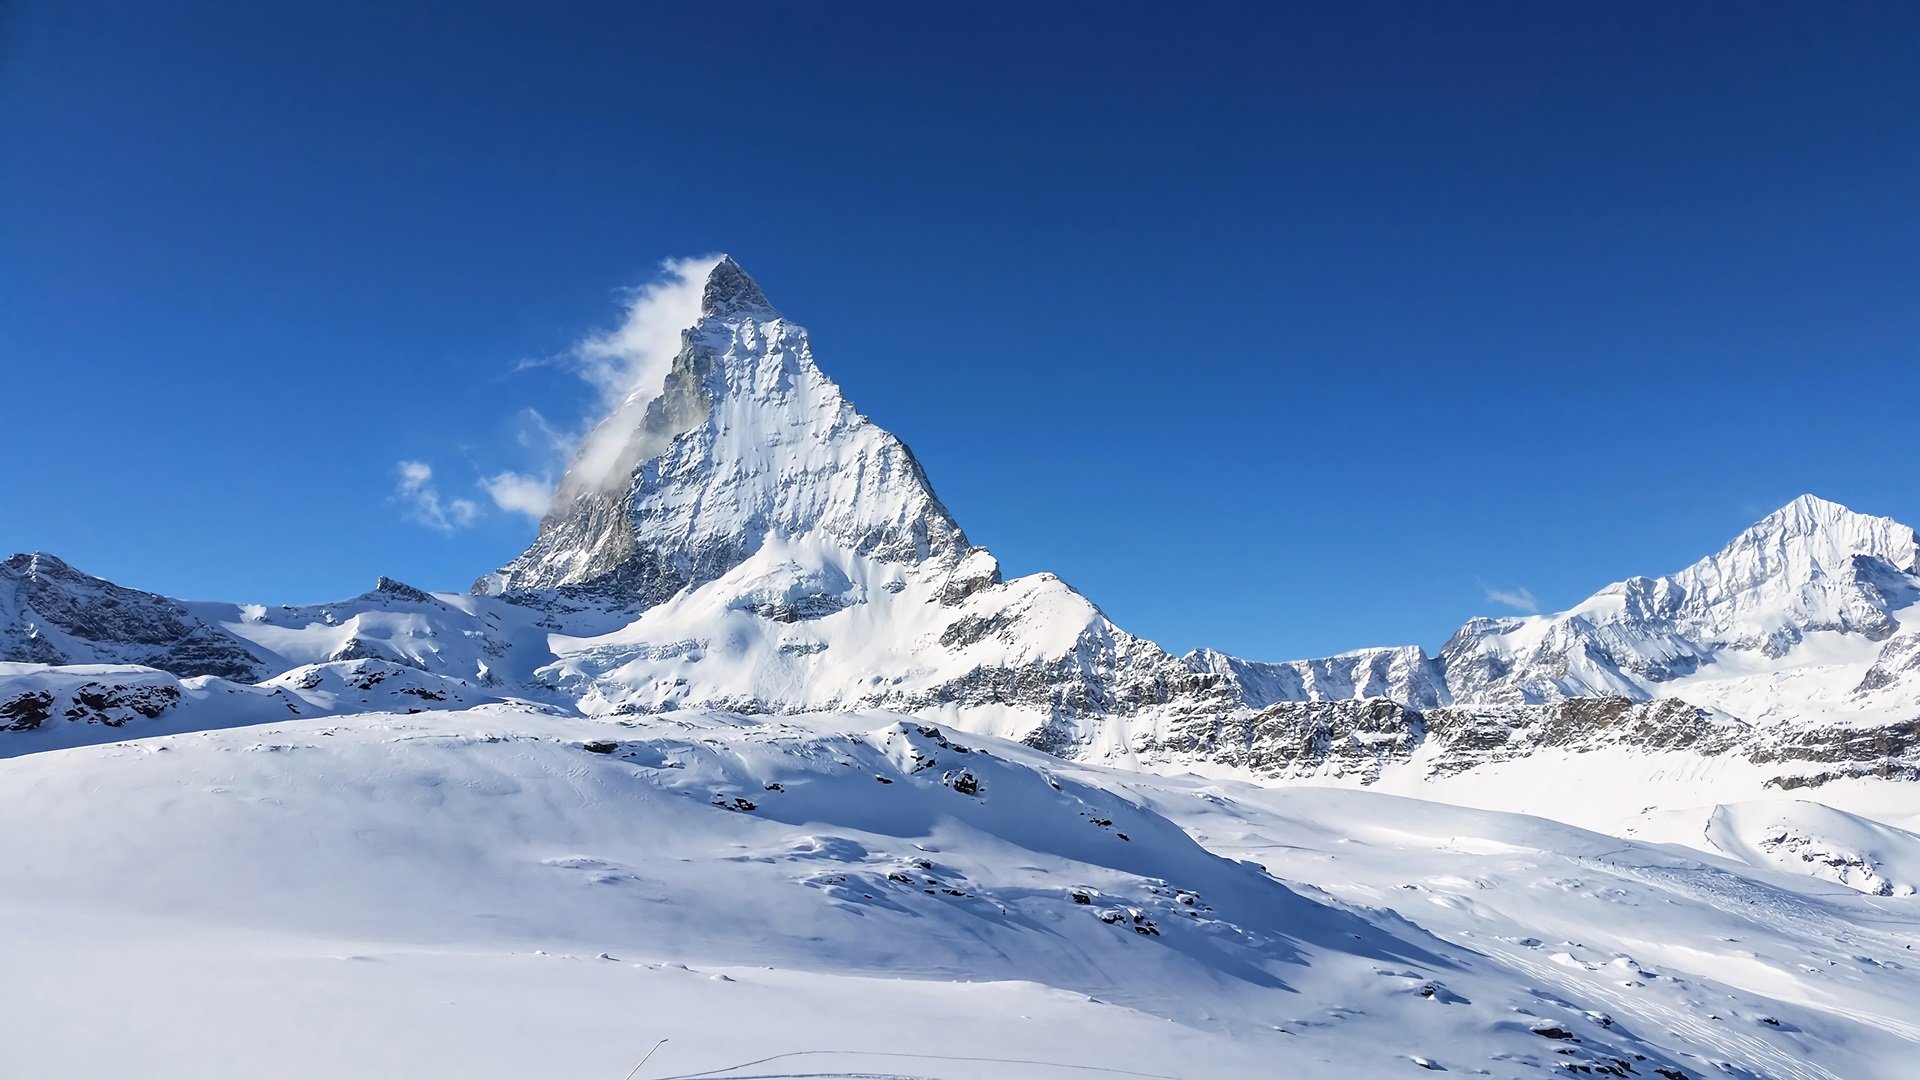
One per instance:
(1812,571)
(1811,565)
(747,441)
(1811,531)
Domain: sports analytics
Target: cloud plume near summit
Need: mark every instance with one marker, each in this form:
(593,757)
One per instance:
(627,366)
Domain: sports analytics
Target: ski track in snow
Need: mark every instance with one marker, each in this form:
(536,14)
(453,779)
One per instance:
(732,1072)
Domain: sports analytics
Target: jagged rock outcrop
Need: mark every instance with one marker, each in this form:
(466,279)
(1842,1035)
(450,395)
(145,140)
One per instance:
(1360,739)
(51,613)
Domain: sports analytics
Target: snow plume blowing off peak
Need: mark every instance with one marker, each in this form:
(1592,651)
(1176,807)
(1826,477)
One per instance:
(627,365)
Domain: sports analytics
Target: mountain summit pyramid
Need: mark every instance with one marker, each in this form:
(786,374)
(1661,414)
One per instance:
(746,443)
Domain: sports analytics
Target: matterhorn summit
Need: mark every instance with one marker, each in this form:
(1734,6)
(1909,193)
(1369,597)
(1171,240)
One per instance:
(780,552)
(747,444)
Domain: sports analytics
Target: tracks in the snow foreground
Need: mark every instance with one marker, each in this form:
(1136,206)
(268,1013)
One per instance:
(732,1072)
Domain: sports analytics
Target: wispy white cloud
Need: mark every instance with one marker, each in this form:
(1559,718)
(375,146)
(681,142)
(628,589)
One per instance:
(519,493)
(416,491)
(531,493)
(1518,598)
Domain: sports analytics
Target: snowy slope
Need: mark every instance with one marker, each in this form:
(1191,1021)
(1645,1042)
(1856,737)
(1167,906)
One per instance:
(414,877)
(1811,838)
(51,708)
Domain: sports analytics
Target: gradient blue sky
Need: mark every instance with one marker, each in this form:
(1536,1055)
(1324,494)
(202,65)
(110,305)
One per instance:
(1283,330)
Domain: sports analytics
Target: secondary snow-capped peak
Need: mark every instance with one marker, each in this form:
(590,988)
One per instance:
(52,613)
(747,441)
(1811,567)
(1811,534)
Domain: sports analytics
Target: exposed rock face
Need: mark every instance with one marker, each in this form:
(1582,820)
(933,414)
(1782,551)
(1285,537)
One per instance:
(107,700)
(1358,739)
(51,613)
(26,710)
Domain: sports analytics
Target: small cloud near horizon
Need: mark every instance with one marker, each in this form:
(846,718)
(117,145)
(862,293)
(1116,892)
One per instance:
(425,506)
(1519,598)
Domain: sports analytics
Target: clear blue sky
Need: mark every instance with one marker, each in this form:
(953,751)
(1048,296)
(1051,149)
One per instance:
(1280,330)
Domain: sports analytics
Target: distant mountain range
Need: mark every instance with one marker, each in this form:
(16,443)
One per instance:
(765,548)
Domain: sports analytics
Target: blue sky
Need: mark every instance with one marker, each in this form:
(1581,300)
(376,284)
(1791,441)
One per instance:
(1283,331)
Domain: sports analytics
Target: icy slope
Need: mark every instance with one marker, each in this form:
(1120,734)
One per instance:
(419,876)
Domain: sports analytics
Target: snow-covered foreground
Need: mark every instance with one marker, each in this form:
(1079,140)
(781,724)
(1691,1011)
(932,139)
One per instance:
(508,892)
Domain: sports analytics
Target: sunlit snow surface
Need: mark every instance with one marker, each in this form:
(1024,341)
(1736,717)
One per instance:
(505,892)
